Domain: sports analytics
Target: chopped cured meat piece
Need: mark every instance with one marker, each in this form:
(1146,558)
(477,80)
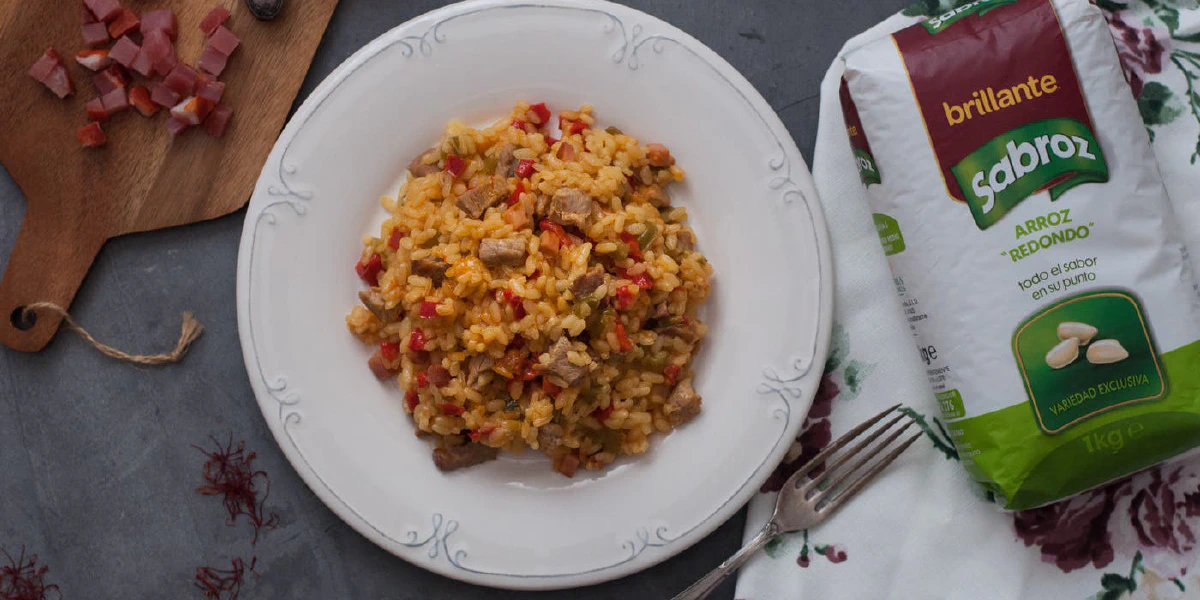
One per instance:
(213,61)
(110,79)
(95,35)
(164,96)
(94,60)
(218,120)
(44,65)
(211,90)
(460,457)
(95,110)
(125,22)
(88,17)
(158,48)
(91,135)
(223,41)
(176,127)
(59,82)
(192,110)
(161,20)
(104,10)
(139,97)
(124,52)
(215,18)
(115,101)
(143,64)
(181,80)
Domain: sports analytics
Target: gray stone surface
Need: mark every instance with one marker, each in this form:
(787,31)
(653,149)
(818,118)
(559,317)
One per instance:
(96,465)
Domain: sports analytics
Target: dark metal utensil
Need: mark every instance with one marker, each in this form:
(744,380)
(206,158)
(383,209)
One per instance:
(265,10)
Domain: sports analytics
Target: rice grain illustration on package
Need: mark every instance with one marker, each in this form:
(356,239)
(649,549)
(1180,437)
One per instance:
(1032,242)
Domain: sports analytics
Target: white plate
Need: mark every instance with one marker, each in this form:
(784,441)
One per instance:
(513,522)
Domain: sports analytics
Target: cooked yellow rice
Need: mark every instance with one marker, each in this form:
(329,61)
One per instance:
(626,395)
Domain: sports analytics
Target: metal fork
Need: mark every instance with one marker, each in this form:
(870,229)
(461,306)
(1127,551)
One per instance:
(802,506)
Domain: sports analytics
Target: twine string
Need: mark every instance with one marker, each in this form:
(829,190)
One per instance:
(188,333)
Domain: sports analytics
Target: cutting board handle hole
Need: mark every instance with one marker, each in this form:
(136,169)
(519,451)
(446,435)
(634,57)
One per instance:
(21,319)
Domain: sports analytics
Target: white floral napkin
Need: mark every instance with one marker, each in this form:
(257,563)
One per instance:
(921,531)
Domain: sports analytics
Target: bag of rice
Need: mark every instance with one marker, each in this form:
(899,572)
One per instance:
(1032,243)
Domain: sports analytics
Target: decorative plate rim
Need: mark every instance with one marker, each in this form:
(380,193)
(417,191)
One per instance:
(795,390)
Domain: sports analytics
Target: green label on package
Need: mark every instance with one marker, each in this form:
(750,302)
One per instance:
(1087,355)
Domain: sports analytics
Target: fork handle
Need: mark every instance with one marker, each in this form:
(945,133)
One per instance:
(708,583)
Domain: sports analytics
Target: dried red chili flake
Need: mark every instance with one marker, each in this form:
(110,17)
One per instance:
(394,239)
(224,584)
(229,472)
(23,578)
(411,399)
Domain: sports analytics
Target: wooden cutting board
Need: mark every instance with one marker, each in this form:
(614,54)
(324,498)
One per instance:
(142,179)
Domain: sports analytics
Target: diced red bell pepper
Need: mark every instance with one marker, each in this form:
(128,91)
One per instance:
(411,400)
(422,380)
(429,310)
(524,168)
(557,230)
(417,340)
(541,112)
(551,389)
(631,241)
(394,239)
(455,165)
(528,373)
(450,408)
(369,270)
(515,196)
(517,304)
(570,127)
(522,125)
(390,350)
(625,296)
(671,374)
(482,432)
(623,338)
(602,414)
(91,135)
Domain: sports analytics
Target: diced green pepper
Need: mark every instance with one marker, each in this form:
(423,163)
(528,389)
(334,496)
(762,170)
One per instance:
(489,165)
(647,237)
(614,130)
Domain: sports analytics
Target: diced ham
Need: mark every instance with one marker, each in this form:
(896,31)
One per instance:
(176,127)
(95,110)
(164,96)
(218,120)
(94,60)
(116,101)
(181,80)
(125,22)
(88,17)
(95,35)
(143,64)
(139,97)
(215,18)
(223,41)
(192,110)
(44,65)
(124,52)
(213,61)
(110,79)
(211,90)
(91,135)
(59,82)
(157,46)
(161,20)
(104,10)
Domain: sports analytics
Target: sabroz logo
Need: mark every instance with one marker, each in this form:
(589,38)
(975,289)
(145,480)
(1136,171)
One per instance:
(988,100)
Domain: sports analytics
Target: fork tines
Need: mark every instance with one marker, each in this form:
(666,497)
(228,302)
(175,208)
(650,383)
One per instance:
(839,482)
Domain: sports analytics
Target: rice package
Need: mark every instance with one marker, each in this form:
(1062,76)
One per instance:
(1033,246)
